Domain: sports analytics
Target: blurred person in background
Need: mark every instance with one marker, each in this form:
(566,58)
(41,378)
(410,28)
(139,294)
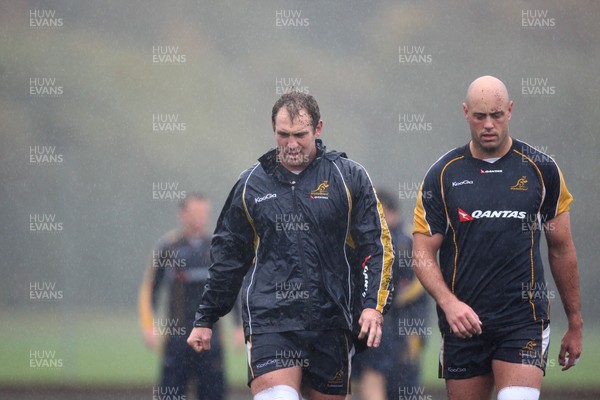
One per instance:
(382,372)
(179,264)
(483,206)
(282,237)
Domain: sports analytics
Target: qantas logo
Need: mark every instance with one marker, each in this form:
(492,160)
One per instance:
(490,171)
(464,216)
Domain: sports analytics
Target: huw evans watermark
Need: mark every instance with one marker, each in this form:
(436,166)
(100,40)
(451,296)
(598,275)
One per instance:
(540,19)
(167,191)
(290,19)
(44,290)
(168,55)
(290,291)
(44,155)
(44,359)
(168,123)
(45,19)
(537,87)
(167,393)
(44,223)
(41,87)
(168,259)
(414,55)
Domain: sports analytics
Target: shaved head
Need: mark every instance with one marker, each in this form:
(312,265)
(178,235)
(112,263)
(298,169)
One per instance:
(487,88)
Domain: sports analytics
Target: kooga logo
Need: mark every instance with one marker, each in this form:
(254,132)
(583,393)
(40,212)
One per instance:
(265,197)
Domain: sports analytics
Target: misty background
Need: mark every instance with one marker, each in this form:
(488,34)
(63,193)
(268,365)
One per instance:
(91,89)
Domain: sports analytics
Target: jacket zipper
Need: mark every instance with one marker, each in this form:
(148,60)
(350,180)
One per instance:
(301,255)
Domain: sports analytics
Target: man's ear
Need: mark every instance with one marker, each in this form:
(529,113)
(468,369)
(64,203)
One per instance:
(319,128)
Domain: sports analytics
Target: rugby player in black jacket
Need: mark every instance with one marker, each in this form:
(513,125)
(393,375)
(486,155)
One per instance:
(284,237)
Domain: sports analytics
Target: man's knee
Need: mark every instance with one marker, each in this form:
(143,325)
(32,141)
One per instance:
(518,393)
(279,392)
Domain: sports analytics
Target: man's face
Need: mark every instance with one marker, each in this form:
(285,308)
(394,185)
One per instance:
(488,114)
(195,216)
(295,139)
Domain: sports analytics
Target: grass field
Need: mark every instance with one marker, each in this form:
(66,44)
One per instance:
(95,348)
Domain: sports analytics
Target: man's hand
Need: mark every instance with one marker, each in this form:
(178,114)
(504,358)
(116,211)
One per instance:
(370,322)
(150,338)
(571,347)
(199,339)
(463,321)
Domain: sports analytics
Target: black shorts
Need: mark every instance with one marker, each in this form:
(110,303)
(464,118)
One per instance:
(324,357)
(519,344)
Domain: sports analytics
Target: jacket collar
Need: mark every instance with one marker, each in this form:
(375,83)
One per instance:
(270,164)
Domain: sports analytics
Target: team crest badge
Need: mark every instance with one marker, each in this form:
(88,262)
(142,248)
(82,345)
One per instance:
(321,191)
(521,184)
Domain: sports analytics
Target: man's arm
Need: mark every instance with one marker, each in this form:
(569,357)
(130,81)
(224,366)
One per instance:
(149,291)
(232,252)
(463,321)
(563,265)
(145,307)
(410,288)
(375,252)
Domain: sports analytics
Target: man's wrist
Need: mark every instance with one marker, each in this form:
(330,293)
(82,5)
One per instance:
(575,322)
(446,299)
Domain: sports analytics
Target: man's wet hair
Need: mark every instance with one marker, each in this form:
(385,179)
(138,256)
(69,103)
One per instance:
(294,102)
(388,200)
(191,196)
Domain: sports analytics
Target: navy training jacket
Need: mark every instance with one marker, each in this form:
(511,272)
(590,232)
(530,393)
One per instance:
(301,247)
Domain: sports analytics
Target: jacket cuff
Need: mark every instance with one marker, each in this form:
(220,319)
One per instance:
(203,324)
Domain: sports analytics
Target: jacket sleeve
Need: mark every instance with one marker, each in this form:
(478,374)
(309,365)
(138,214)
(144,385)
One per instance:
(232,253)
(373,242)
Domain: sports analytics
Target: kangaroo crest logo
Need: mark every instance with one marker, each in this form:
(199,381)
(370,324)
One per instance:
(321,191)
(520,185)
(530,345)
(336,380)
